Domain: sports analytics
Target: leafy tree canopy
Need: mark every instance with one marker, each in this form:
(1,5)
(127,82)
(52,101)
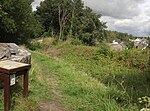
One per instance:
(16,19)
(69,18)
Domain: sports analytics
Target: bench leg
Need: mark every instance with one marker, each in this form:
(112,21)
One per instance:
(6,92)
(25,84)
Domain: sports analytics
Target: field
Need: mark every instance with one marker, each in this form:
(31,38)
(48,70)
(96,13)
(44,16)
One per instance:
(66,77)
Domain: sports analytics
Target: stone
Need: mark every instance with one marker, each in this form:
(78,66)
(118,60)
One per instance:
(117,46)
(10,51)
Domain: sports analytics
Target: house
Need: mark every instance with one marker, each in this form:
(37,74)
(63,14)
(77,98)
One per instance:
(141,43)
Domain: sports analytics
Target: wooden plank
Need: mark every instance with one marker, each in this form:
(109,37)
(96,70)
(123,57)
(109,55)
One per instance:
(7,64)
(9,67)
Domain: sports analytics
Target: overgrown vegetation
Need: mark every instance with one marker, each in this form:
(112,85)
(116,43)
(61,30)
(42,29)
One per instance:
(72,53)
(126,73)
(87,78)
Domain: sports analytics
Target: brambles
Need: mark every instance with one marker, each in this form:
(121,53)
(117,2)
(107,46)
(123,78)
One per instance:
(144,102)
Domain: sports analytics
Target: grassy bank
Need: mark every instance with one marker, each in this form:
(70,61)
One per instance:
(126,73)
(131,83)
(71,77)
(78,91)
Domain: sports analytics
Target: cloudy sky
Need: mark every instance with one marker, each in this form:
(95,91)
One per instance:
(131,16)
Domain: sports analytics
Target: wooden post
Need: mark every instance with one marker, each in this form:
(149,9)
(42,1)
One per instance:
(25,84)
(6,92)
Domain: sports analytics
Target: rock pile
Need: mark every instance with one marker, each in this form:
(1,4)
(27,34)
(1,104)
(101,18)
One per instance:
(10,51)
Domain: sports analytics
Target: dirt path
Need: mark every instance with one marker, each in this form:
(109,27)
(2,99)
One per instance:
(54,104)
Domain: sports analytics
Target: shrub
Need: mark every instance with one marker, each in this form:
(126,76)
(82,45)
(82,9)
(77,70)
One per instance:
(104,51)
(132,58)
(34,45)
(76,41)
(47,42)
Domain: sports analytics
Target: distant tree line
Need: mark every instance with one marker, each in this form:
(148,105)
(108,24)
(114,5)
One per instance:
(61,19)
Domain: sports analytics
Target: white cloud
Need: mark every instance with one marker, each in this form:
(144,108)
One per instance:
(130,16)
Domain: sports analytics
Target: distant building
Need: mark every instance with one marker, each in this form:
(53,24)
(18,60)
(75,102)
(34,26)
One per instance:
(141,43)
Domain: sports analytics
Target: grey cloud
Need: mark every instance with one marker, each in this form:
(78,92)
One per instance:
(146,9)
(137,26)
(115,8)
(146,29)
(130,16)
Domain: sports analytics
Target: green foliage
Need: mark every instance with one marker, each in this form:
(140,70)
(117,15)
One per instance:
(93,38)
(78,90)
(34,46)
(81,82)
(129,58)
(126,82)
(76,41)
(69,18)
(104,51)
(61,19)
(42,43)
(133,58)
(17,21)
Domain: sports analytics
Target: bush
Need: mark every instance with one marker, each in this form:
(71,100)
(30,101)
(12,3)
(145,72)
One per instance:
(76,41)
(42,43)
(48,42)
(104,51)
(132,58)
(34,45)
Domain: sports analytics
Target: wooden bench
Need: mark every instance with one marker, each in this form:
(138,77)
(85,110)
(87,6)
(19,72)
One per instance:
(8,71)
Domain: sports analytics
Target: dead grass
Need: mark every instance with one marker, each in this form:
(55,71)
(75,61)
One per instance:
(54,52)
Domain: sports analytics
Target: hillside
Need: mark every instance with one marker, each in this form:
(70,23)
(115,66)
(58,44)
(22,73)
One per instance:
(78,64)
(66,77)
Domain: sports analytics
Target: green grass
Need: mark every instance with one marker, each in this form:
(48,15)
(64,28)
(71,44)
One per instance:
(39,89)
(79,92)
(133,81)
(80,82)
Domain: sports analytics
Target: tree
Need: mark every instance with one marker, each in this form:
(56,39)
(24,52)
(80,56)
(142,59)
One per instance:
(7,26)
(17,20)
(64,15)
(69,18)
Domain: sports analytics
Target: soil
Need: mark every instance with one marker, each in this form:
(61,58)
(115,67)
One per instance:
(51,106)
(53,52)
(54,104)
